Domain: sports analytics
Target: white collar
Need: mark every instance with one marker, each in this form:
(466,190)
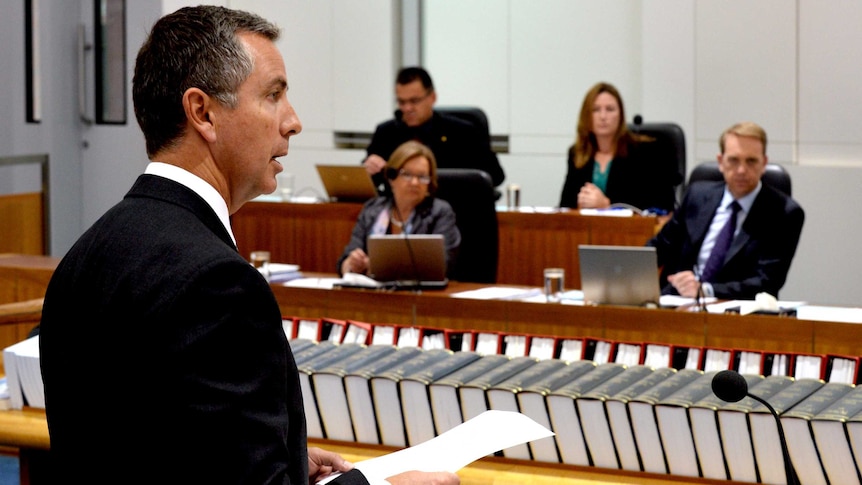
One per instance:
(197,185)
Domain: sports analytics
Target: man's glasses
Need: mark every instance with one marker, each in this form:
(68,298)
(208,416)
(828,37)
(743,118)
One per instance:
(409,177)
(413,101)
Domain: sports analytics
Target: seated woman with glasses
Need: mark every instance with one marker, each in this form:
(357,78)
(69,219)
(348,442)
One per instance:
(409,206)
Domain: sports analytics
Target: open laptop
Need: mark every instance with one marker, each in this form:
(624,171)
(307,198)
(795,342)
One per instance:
(408,261)
(346,183)
(619,275)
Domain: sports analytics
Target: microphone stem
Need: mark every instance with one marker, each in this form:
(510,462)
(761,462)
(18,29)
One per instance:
(788,467)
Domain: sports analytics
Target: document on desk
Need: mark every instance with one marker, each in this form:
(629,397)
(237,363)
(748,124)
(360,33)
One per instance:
(483,435)
(673,301)
(611,211)
(498,293)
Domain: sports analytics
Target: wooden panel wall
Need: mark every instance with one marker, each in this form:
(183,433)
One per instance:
(21,224)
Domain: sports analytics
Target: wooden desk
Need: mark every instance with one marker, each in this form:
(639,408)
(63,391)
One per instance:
(436,309)
(24,277)
(27,430)
(530,242)
(23,281)
(314,235)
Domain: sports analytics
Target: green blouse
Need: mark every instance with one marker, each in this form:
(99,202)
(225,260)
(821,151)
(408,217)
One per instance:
(600,179)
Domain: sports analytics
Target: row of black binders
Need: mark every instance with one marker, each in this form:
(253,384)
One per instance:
(829,367)
(610,415)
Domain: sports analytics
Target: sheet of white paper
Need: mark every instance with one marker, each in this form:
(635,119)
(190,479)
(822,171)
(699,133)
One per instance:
(570,297)
(748,306)
(498,293)
(483,435)
(829,313)
(608,212)
(325,283)
(676,300)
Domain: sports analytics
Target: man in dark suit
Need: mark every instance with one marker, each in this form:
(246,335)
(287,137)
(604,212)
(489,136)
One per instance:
(162,351)
(761,236)
(454,142)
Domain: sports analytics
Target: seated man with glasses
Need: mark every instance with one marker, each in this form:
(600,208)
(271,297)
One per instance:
(456,143)
(407,207)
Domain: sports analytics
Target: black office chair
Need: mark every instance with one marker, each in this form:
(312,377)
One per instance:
(471,195)
(476,117)
(671,136)
(470,114)
(775,176)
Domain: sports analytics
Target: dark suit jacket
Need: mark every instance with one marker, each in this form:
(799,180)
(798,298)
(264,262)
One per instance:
(759,256)
(454,142)
(641,179)
(163,356)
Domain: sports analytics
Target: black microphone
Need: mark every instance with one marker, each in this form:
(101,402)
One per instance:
(638,119)
(398,114)
(414,266)
(700,300)
(730,386)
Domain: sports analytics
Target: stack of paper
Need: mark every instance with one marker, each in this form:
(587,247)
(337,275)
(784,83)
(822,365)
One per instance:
(23,374)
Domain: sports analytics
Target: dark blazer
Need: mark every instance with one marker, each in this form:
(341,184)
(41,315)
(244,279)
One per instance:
(432,216)
(759,256)
(163,356)
(454,142)
(641,179)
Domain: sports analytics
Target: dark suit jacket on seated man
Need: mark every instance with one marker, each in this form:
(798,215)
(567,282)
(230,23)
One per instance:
(455,142)
(767,231)
(162,351)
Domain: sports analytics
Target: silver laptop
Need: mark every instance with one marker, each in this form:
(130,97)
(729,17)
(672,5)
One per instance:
(619,275)
(346,183)
(408,260)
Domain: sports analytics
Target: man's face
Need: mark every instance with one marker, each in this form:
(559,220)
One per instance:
(742,163)
(415,102)
(253,134)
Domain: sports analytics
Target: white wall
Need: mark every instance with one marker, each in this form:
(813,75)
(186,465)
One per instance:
(791,66)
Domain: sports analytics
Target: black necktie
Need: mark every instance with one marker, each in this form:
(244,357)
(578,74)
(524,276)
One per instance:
(722,244)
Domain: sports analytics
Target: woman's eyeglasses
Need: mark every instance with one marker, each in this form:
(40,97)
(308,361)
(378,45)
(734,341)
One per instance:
(409,177)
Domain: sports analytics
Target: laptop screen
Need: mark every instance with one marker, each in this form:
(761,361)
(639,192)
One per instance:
(619,275)
(407,257)
(346,183)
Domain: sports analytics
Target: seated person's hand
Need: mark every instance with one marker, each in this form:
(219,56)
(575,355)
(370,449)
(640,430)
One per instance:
(685,282)
(322,463)
(374,164)
(356,262)
(592,197)
(425,478)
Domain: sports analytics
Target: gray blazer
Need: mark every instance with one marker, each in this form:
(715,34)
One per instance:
(432,216)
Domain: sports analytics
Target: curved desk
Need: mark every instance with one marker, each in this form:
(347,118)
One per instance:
(314,235)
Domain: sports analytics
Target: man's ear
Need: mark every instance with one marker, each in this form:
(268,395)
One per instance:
(198,108)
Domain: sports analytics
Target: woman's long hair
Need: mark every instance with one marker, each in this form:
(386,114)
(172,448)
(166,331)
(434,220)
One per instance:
(586,145)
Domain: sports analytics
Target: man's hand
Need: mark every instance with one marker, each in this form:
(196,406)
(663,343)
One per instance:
(685,282)
(322,463)
(374,164)
(424,478)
